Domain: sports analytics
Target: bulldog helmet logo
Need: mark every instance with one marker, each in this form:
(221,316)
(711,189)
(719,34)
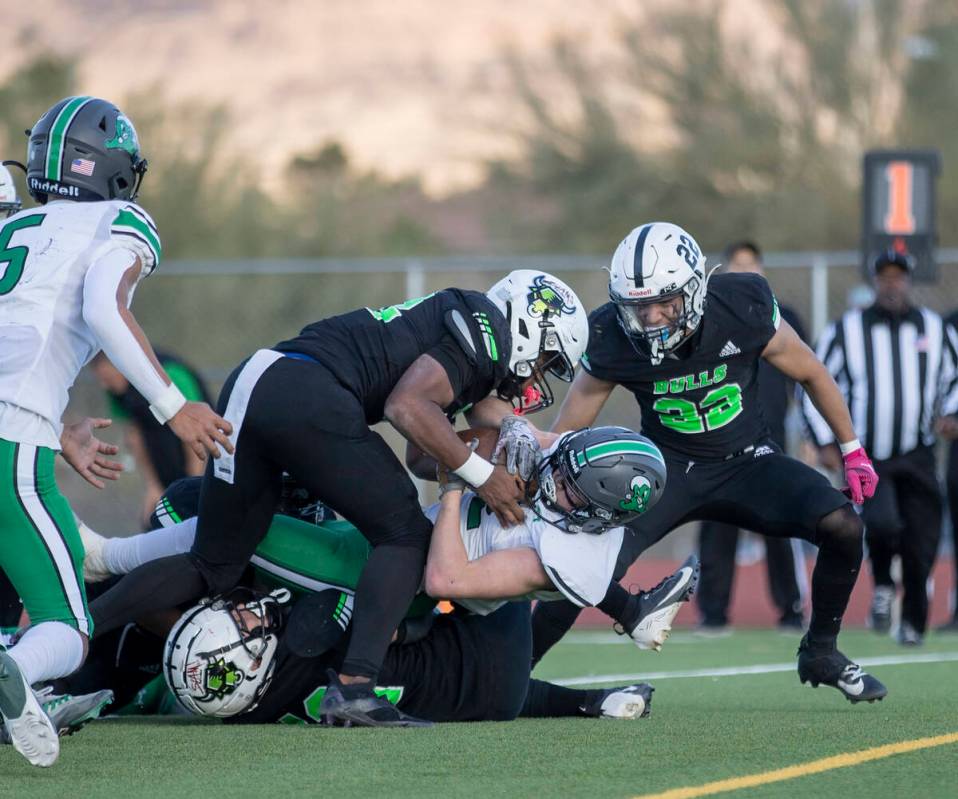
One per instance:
(637,499)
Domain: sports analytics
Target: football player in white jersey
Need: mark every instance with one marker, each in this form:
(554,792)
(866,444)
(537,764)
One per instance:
(68,270)
(586,485)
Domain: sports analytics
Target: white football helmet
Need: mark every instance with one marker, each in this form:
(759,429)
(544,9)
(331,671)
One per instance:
(654,263)
(550,331)
(216,663)
(9,201)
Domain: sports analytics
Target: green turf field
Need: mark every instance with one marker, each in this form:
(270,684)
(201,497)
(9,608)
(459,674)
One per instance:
(702,728)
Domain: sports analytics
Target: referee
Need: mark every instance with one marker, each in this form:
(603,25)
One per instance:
(718,541)
(896,364)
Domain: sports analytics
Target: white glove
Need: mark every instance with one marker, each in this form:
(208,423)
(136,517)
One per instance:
(521,447)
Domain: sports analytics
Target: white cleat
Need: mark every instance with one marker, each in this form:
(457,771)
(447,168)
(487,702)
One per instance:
(660,605)
(29,728)
(94,565)
(627,702)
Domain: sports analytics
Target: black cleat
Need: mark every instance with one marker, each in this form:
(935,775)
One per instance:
(831,667)
(657,608)
(625,702)
(318,622)
(359,706)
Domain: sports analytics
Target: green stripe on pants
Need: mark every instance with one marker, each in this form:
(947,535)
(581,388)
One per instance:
(40,548)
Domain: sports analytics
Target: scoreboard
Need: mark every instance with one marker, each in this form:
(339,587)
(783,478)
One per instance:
(899,209)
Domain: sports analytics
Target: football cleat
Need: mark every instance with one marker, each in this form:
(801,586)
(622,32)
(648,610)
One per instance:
(625,702)
(68,713)
(831,667)
(909,636)
(658,607)
(94,566)
(880,613)
(28,727)
(358,706)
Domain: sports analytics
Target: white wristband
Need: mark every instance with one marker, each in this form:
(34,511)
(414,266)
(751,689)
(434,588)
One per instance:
(850,446)
(168,403)
(475,470)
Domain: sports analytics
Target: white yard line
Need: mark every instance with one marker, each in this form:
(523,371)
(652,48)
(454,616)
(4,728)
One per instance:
(762,668)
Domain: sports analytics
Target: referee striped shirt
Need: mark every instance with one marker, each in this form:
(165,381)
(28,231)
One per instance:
(897,374)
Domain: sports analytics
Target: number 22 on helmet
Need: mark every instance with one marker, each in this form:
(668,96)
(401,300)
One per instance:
(658,284)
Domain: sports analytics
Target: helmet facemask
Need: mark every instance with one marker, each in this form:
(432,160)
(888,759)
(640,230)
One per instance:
(557,489)
(656,340)
(550,358)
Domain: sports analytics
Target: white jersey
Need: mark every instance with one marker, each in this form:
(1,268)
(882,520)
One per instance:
(580,565)
(45,254)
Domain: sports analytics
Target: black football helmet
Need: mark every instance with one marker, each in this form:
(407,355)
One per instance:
(84,149)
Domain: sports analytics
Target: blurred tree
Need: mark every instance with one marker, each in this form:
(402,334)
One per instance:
(27,93)
(769,148)
(930,114)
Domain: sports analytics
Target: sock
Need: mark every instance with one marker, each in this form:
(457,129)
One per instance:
(123,555)
(48,650)
(546,700)
(619,604)
(836,571)
(550,621)
(388,583)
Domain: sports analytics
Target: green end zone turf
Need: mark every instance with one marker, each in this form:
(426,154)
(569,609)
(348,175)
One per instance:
(701,729)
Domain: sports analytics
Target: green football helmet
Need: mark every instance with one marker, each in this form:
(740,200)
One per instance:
(84,149)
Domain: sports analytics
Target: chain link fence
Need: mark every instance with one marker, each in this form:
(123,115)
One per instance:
(215,313)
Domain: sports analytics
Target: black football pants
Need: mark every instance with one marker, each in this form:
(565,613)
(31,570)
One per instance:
(301,420)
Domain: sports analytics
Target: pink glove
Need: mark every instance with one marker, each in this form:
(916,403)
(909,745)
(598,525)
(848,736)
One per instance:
(860,476)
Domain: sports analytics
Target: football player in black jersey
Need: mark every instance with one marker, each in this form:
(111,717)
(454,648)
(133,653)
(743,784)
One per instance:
(688,348)
(306,406)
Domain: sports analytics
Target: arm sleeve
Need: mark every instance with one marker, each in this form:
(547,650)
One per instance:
(830,352)
(133,229)
(185,380)
(948,390)
(102,314)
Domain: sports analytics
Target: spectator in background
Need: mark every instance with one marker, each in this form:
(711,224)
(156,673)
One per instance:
(718,542)
(951,482)
(896,365)
(160,456)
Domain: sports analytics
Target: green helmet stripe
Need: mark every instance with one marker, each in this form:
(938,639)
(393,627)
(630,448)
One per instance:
(612,448)
(58,132)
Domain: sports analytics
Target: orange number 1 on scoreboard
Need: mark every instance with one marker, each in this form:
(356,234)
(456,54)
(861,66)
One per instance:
(900,218)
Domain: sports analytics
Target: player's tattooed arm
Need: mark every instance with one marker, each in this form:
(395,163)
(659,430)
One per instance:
(498,575)
(795,359)
(587,395)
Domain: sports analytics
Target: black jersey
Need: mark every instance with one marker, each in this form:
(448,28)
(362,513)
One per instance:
(701,402)
(368,350)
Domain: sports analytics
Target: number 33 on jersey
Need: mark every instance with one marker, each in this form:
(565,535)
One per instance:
(701,401)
